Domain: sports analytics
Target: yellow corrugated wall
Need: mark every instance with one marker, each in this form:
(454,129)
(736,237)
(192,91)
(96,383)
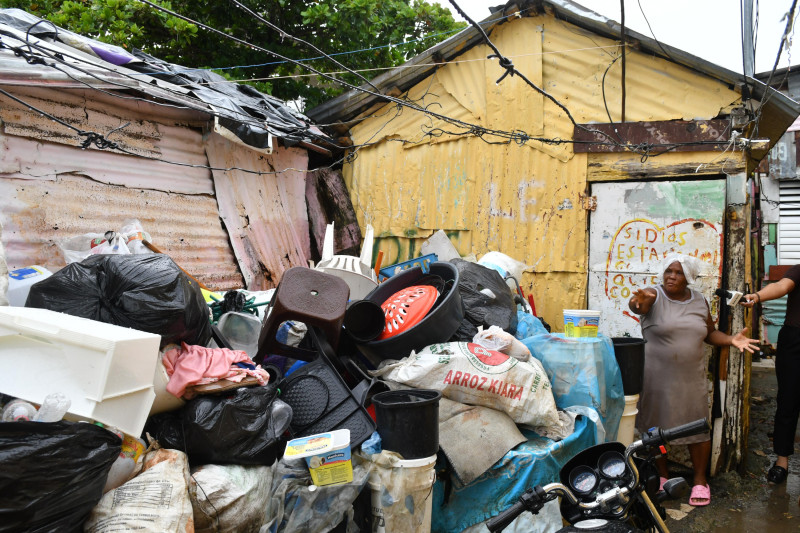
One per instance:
(522,200)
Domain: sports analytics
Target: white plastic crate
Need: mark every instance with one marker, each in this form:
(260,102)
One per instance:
(106,370)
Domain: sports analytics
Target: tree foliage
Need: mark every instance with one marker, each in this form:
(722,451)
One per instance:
(334,26)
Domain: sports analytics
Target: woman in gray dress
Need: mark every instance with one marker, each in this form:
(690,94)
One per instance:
(676,321)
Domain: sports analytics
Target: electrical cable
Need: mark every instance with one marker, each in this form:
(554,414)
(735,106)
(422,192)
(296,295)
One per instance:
(459,123)
(519,137)
(285,35)
(201,105)
(652,33)
(785,39)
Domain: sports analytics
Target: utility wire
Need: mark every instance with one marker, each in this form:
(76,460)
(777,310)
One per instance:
(478,131)
(285,35)
(784,40)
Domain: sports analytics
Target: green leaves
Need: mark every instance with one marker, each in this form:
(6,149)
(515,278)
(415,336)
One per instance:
(334,26)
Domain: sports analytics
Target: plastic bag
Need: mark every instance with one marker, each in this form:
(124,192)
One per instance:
(145,292)
(230,498)
(498,340)
(296,508)
(240,428)
(135,235)
(76,249)
(52,474)
(583,371)
(487,300)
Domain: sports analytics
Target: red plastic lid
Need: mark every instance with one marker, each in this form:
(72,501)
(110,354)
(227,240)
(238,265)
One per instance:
(405,308)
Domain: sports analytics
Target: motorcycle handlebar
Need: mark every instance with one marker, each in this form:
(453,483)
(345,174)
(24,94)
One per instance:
(659,436)
(504,519)
(686,430)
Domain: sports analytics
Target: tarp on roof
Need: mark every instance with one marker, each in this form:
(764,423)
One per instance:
(251,115)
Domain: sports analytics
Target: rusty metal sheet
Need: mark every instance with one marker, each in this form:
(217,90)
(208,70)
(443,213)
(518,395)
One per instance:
(663,132)
(635,225)
(37,214)
(154,132)
(524,201)
(264,214)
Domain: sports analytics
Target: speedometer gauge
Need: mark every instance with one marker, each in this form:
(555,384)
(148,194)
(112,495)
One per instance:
(612,465)
(583,479)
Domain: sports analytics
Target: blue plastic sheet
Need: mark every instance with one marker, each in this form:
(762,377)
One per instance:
(582,371)
(534,462)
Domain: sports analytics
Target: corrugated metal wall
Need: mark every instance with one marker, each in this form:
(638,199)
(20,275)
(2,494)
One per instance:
(264,214)
(52,190)
(524,201)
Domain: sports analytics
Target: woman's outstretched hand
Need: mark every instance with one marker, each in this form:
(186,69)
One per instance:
(743,342)
(641,301)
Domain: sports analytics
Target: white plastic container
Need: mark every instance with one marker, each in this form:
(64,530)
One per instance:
(327,456)
(105,370)
(165,400)
(402,497)
(628,421)
(581,322)
(20,281)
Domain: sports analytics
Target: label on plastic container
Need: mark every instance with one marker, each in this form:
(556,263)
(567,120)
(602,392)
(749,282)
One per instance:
(25,273)
(327,456)
(581,324)
(132,448)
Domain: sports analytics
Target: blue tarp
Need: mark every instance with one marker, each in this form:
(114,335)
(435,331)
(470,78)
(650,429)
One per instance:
(535,462)
(582,371)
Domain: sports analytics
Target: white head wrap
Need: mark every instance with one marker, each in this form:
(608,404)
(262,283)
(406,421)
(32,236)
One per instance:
(690,265)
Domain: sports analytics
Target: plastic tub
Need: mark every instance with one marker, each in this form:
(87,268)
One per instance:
(437,326)
(581,323)
(408,421)
(106,371)
(327,456)
(402,497)
(629,352)
(20,281)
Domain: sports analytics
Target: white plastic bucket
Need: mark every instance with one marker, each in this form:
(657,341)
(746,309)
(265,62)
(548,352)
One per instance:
(404,504)
(581,323)
(628,421)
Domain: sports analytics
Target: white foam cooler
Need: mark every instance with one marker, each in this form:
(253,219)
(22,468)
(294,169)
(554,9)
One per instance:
(106,370)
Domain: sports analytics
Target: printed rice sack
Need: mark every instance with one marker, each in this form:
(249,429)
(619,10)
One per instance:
(471,374)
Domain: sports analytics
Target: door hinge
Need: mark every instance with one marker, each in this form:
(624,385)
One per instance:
(589,203)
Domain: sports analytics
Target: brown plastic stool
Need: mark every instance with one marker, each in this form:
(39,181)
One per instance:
(308,296)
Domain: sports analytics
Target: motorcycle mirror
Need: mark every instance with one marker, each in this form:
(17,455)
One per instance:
(674,489)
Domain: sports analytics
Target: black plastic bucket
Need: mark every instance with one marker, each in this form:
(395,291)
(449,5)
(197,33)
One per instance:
(408,421)
(629,352)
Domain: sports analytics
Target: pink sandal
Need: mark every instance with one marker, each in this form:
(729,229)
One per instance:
(701,495)
(661,483)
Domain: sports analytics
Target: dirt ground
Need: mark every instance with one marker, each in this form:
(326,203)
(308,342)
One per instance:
(746,502)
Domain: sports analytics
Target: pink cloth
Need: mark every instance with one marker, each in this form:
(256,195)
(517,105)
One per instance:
(190,365)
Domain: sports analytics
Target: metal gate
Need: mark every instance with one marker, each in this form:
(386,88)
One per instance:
(633,228)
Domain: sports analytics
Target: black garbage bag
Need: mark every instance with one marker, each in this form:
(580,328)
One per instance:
(481,309)
(52,474)
(145,292)
(245,427)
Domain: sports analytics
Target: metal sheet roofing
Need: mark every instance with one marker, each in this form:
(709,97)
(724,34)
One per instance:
(354,103)
(250,115)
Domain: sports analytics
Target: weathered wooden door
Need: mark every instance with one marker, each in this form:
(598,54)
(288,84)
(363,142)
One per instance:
(634,226)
